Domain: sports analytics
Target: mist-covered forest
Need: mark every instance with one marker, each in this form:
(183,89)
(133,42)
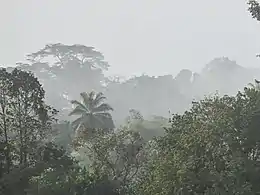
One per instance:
(68,129)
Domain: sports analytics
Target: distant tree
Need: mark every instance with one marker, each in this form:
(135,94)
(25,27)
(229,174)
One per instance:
(92,112)
(61,67)
(135,115)
(148,129)
(151,95)
(75,65)
(220,71)
(254,9)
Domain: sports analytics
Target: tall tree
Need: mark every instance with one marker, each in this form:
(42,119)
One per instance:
(74,65)
(25,121)
(61,67)
(6,117)
(25,118)
(93,113)
(31,116)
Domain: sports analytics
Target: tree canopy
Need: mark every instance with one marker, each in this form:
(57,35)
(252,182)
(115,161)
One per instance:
(209,145)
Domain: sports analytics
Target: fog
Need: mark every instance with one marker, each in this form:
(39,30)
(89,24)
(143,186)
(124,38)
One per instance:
(141,39)
(121,74)
(136,37)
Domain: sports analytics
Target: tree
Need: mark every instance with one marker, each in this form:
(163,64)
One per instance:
(55,173)
(25,118)
(61,67)
(148,129)
(254,9)
(220,71)
(73,64)
(211,149)
(29,162)
(5,85)
(118,155)
(52,162)
(151,95)
(32,118)
(134,115)
(25,122)
(93,113)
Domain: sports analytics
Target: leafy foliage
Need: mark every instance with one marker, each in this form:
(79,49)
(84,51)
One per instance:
(61,67)
(119,155)
(25,124)
(93,112)
(148,129)
(211,149)
(254,9)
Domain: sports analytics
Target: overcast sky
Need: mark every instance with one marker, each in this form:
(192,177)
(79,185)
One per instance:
(136,36)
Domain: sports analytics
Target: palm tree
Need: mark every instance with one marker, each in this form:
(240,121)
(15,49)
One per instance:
(92,112)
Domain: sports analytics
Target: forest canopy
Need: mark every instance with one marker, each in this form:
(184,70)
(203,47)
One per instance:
(67,129)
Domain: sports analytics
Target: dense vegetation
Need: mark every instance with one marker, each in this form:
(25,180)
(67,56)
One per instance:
(59,144)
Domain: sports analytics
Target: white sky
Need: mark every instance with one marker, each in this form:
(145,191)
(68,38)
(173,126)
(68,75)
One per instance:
(136,36)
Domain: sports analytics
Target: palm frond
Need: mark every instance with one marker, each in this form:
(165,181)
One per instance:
(78,111)
(98,99)
(77,103)
(103,108)
(104,114)
(94,113)
(91,95)
(85,98)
